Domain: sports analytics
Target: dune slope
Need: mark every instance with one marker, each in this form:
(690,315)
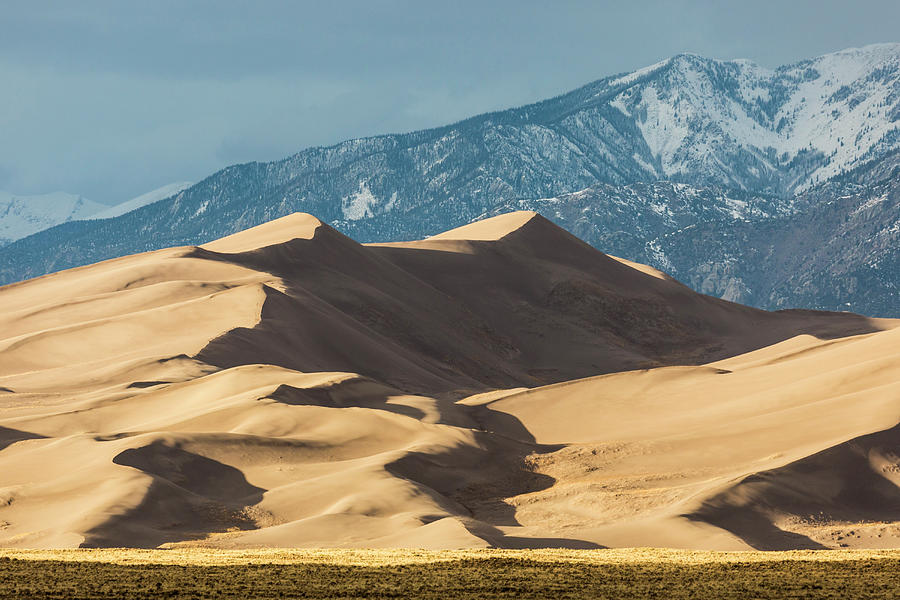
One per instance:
(501,384)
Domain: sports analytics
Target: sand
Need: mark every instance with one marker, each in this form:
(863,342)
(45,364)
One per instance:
(502,384)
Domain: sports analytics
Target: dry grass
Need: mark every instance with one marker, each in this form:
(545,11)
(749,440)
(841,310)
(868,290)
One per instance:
(619,574)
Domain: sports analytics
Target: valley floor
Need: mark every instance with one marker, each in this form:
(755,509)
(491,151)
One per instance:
(620,574)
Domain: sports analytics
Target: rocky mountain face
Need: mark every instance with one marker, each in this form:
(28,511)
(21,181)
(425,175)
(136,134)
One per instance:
(632,221)
(840,251)
(686,142)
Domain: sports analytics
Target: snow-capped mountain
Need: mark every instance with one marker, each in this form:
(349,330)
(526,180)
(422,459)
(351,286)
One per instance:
(780,131)
(729,131)
(156,195)
(21,216)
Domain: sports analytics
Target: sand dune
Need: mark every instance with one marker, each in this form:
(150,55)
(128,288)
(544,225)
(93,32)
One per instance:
(499,384)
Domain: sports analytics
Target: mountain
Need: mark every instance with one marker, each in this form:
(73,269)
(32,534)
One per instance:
(21,216)
(499,384)
(156,195)
(837,249)
(840,252)
(634,221)
(729,129)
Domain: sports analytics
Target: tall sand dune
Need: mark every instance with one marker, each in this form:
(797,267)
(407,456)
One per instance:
(500,384)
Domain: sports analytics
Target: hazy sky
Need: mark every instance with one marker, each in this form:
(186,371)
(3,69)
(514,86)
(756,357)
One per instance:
(112,99)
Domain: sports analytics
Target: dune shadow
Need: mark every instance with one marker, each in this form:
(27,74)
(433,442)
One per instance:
(147,384)
(827,325)
(755,528)
(190,496)
(474,482)
(8,436)
(478,480)
(340,307)
(498,539)
(418,318)
(345,394)
(857,481)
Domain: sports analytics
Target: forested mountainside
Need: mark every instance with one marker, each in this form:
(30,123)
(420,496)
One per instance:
(687,142)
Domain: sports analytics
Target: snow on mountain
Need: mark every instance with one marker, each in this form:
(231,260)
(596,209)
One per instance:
(757,129)
(750,143)
(144,199)
(851,108)
(359,205)
(21,216)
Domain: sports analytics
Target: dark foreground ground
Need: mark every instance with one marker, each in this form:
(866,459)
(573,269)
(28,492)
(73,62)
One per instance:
(618,574)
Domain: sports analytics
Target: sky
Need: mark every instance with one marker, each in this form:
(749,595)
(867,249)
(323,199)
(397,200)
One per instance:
(111,99)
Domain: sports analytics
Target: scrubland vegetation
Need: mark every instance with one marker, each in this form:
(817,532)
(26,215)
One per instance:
(619,574)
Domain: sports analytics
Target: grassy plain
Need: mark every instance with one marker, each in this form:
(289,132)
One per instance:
(619,574)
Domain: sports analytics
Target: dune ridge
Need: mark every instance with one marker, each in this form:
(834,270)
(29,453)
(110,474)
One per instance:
(501,384)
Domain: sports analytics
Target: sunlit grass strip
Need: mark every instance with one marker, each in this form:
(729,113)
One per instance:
(208,556)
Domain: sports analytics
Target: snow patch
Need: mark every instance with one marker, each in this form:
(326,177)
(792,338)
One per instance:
(359,205)
(393,202)
(737,208)
(870,203)
(660,258)
(202,208)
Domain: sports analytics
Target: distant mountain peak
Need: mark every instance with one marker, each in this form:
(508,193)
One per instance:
(23,215)
(781,131)
(156,195)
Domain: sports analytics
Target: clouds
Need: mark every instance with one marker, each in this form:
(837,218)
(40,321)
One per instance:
(110,99)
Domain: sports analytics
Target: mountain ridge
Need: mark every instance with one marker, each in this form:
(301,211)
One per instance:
(688,120)
(23,215)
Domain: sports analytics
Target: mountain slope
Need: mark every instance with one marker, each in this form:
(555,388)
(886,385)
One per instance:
(835,250)
(328,393)
(21,216)
(156,195)
(633,220)
(839,253)
(687,119)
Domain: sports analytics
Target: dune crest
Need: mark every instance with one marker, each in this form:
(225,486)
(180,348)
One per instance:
(491,229)
(279,231)
(501,384)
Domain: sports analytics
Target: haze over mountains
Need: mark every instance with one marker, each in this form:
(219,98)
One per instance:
(700,153)
(21,216)
(500,384)
(160,193)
